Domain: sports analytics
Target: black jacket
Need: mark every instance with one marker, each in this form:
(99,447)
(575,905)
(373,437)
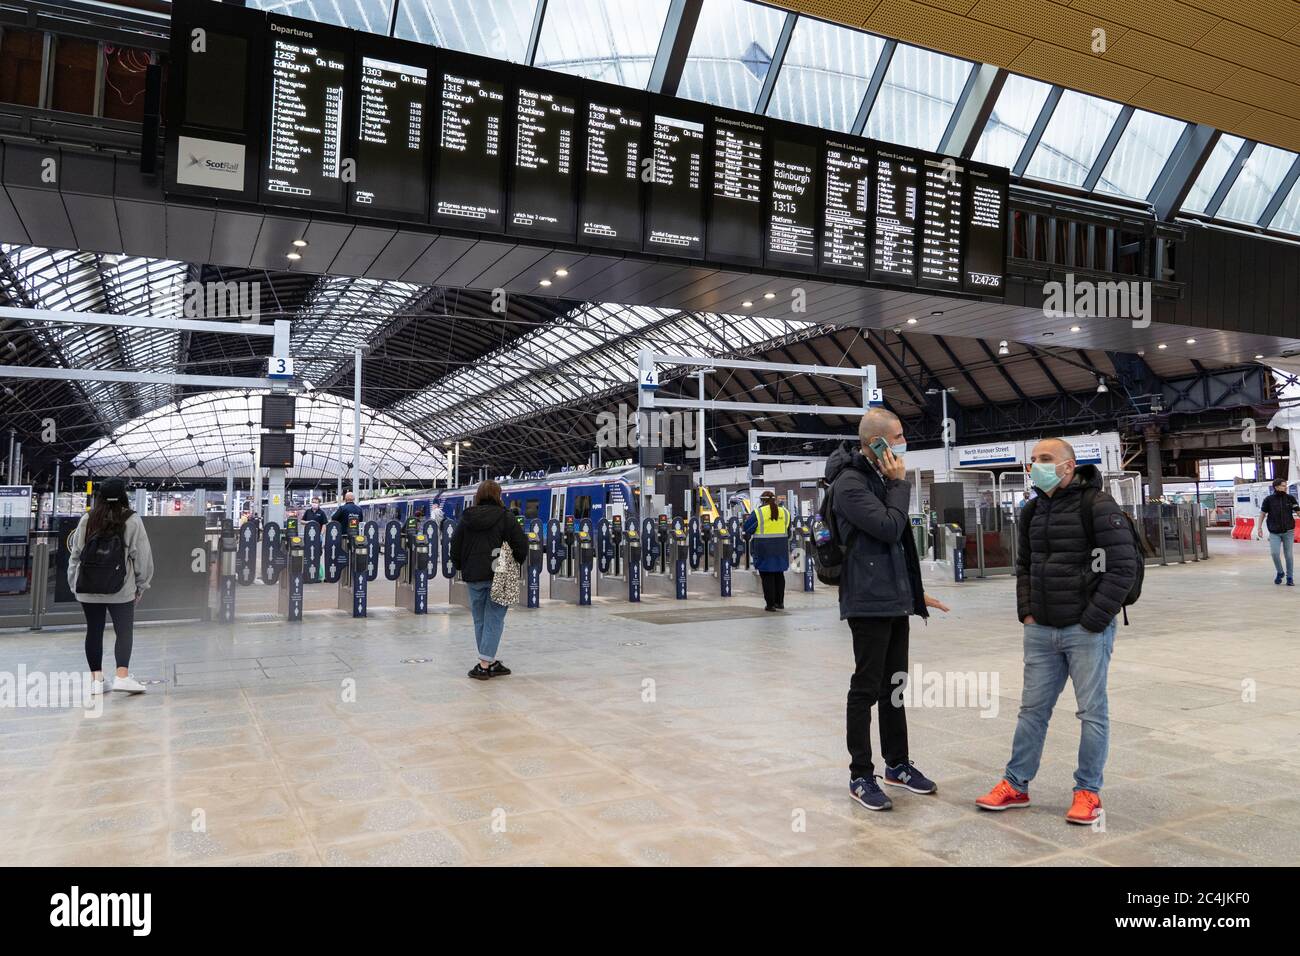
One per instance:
(1280,510)
(1055,581)
(346,510)
(881,574)
(479,533)
(315,514)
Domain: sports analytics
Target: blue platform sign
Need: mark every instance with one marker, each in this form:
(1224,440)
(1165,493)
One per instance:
(15,513)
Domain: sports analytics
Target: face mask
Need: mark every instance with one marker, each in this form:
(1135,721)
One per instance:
(1044,476)
(899,450)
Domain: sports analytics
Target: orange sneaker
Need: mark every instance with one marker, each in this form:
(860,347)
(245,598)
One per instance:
(1002,797)
(1086,808)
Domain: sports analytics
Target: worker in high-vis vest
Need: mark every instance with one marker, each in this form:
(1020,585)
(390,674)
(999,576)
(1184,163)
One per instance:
(768,528)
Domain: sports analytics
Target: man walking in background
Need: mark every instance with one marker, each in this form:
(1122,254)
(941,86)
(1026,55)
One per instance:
(1278,512)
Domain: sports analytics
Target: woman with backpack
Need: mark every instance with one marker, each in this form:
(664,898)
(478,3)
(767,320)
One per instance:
(479,551)
(768,528)
(110,567)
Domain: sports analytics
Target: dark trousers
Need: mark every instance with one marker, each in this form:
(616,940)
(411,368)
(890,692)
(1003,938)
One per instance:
(123,627)
(879,652)
(773,587)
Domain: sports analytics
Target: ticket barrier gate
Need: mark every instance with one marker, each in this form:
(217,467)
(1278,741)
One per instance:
(313,540)
(533,566)
(273,556)
(658,557)
(803,557)
(724,555)
(571,561)
(227,578)
(292,576)
(360,567)
(631,547)
(413,584)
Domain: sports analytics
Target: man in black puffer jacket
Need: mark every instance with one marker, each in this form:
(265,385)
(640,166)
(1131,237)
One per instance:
(1067,594)
(880,586)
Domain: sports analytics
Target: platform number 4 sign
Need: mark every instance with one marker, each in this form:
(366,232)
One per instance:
(279,367)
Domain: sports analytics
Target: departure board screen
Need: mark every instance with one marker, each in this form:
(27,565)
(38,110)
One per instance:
(845,232)
(610,210)
(392,139)
(675,205)
(897,210)
(467,189)
(308,81)
(735,232)
(986,242)
(943,211)
(792,209)
(542,172)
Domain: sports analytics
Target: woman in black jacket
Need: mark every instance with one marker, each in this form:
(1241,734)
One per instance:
(476,545)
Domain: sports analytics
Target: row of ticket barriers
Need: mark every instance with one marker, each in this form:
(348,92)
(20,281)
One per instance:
(610,558)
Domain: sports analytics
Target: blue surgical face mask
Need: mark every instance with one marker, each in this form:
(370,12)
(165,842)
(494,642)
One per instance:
(1044,476)
(899,450)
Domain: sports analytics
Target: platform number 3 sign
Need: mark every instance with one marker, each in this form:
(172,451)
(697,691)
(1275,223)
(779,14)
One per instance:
(279,367)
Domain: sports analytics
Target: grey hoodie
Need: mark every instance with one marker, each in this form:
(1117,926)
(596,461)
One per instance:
(139,562)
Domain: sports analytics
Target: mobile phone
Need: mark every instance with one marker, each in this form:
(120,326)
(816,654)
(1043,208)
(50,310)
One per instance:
(878,445)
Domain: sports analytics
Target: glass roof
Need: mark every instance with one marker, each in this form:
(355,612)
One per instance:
(1011,121)
(340,315)
(731,52)
(1212,173)
(1288,214)
(1260,177)
(610,40)
(1074,136)
(497,28)
(1142,151)
(824,75)
(195,438)
(590,351)
(373,16)
(917,98)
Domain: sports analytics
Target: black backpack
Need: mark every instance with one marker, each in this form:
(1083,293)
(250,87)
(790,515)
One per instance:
(830,553)
(1086,513)
(103,565)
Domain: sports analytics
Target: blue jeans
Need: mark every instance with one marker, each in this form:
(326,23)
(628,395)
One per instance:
(1051,655)
(489,619)
(1279,543)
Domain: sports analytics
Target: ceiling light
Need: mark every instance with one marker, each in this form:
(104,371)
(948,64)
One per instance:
(1162,346)
(545,283)
(769,295)
(1101,385)
(911,321)
(937,312)
(1075,328)
(561,272)
(300,243)
(1002,348)
(747,304)
(293,257)
(1191,341)
(1259,356)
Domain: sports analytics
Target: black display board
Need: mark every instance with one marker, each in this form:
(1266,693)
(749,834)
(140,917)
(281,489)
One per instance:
(614,153)
(985,245)
(792,198)
(846,210)
(278,411)
(896,214)
(277,450)
(674,219)
(470,132)
(391,129)
(943,210)
(544,155)
(305,143)
(737,159)
(214,105)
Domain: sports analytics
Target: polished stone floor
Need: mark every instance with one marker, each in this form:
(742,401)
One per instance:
(622,740)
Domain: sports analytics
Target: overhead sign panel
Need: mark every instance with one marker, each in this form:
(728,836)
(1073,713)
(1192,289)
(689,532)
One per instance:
(543,172)
(675,204)
(942,214)
(471,125)
(307,89)
(984,269)
(846,230)
(792,204)
(896,210)
(609,212)
(737,158)
(391,107)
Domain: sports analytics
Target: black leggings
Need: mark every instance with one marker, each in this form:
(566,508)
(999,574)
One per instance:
(773,588)
(123,625)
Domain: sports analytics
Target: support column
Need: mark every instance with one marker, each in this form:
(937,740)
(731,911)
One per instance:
(1155,480)
(356,423)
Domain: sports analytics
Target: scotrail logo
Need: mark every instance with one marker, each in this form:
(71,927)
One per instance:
(77,909)
(1089,299)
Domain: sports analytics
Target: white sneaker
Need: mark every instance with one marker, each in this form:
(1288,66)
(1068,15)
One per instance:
(96,688)
(128,685)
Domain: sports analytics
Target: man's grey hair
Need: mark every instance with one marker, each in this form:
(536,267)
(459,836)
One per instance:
(1066,448)
(877,421)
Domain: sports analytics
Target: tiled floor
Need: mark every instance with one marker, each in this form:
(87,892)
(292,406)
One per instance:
(623,741)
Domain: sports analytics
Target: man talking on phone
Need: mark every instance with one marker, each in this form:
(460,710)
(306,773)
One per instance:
(880,586)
